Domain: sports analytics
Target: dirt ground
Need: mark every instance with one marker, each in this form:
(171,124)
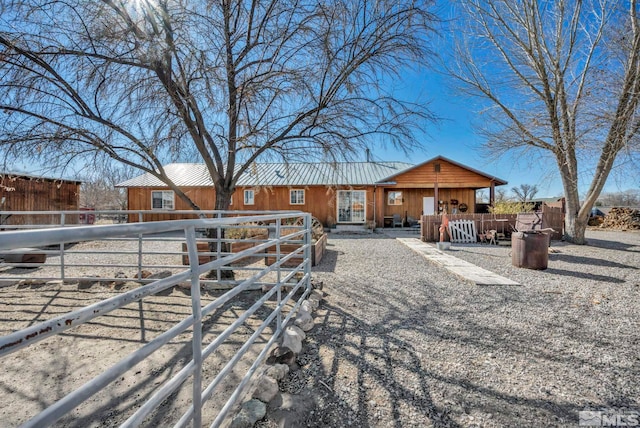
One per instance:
(37,376)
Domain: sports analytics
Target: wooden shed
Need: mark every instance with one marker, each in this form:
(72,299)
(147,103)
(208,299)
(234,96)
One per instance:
(23,192)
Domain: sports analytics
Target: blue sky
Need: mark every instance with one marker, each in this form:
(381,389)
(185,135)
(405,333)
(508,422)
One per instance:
(454,136)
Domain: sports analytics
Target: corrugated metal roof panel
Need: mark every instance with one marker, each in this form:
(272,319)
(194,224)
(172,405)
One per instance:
(37,177)
(280,174)
(182,174)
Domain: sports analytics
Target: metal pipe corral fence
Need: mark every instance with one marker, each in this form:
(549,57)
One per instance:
(158,256)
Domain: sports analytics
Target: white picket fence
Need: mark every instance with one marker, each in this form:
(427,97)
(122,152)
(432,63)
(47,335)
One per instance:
(463,231)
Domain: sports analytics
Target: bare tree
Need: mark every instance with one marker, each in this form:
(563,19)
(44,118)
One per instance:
(562,77)
(525,192)
(223,82)
(501,196)
(99,191)
(628,198)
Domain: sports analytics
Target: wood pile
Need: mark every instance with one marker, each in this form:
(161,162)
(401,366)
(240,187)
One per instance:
(622,218)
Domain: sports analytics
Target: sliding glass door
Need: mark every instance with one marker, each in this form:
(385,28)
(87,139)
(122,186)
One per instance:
(351,206)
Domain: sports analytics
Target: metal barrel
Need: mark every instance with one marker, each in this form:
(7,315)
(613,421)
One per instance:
(530,249)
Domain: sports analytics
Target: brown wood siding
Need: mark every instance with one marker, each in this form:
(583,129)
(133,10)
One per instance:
(320,201)
(412,200)
(30,194)
(450,175)
(139,198)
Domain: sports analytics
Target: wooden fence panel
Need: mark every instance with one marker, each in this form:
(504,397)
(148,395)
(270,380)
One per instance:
(503,223)
(553,217)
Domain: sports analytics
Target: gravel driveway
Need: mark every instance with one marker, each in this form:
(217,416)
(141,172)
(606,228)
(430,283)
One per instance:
(400,342)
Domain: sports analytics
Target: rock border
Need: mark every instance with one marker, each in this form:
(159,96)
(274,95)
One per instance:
(279,362)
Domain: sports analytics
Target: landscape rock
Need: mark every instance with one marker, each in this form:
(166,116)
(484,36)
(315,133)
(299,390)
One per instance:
(160,275)
(267,389)
(120,275)
(292,340)
(282,355)
(307,306)
(316,295)
(304,320)
(298,330)
(277,371)
(250,413)
(88,282)
(185,285)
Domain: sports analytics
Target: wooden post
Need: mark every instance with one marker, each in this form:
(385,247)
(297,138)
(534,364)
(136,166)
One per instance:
(492,193)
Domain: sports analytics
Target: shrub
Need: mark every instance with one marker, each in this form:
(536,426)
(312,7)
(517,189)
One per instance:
(246,232)
(512,207)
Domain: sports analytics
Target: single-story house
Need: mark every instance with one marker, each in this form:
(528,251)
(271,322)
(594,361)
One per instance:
(24,192)
(334,193)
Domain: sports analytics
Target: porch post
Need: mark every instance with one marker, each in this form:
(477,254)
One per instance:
(375,206)
(492,193)
(436,199)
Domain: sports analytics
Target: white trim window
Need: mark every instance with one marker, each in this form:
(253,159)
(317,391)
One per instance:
(394,198)
(249,197)
(296,196)
(162,200)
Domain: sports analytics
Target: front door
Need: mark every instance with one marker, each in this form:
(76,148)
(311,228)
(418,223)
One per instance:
(351,206)
(428,205)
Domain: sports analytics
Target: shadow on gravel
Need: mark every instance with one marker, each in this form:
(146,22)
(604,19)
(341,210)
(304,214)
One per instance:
(585,275)
(329,260)
(396,384)
(120,332)
(409,345)
(589,261)
(377,395)
(614,245)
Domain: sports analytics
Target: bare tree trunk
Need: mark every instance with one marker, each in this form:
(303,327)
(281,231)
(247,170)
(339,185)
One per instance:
(223,200)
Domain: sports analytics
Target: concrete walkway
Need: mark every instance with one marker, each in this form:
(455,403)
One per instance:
(463,269)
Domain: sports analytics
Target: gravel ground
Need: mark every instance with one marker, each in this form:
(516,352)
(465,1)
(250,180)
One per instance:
(400,342)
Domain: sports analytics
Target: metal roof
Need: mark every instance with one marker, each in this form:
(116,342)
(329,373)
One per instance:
(13,174)
(280,174)
(182,174)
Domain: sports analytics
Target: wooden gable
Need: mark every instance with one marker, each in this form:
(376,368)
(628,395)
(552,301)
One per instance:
(444,172)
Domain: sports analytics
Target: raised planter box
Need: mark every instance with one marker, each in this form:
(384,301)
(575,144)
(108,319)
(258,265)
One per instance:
(25,255)
(317,251)
(236,247)
(203,247)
